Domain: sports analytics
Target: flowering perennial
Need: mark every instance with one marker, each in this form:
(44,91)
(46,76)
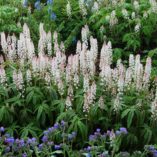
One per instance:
(67,72)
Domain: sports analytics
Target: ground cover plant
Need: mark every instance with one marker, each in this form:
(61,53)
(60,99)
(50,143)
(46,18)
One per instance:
(88,70)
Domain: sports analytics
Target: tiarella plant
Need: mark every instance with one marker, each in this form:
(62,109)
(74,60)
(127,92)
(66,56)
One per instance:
(44,85)
(91,63)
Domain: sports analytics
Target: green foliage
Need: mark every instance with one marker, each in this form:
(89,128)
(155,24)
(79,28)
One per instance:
(40,105)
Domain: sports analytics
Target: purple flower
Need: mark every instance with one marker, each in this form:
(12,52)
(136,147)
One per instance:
(92,137)
(123,130)
(2,129)
(50,130)
(151,148)
(97,134)
(154,153)
(40,147)
(10,140)
(89,148)
(53,16)
(29,141)
(17,141)
(24,155)
(57,147)
(98,130)
(63,123)
(56,125)
(45,139)
(21,143)
(34,141)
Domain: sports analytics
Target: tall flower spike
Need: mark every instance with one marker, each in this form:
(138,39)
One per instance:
(128,77)
(68,9)
(154,108)
(76,80)
(95,7)
(85,35)
(26,31)
(79,47)
(101,102)
(136,5)
(139,77)
(153,4)
(28,76)
(47,79)
(86,82)
(75,64)
(82,8)
(86,106)
(4,42)
(137,64)
(125,14)
(121,84)
(113,19)
(1,60)
(70,91)
(3,77)
(117,104)
(18,80)
(106,54)
(60,87)
(68,103)
(49,44)
(105,76)
(133,15)
(42,40)
(83,63)
(147,73)
(131,62)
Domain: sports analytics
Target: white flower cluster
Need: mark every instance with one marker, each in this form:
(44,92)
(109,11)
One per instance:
(68,9)
(125,14)
(82,8)
(113,19)
(153,4)
(154,108)
(69,72)
(95,7)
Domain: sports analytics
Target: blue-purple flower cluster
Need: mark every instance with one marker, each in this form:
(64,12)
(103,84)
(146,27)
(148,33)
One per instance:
(37,6)
(58,138)
(98,135)
(99,140)
(152,150)
(28,146)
